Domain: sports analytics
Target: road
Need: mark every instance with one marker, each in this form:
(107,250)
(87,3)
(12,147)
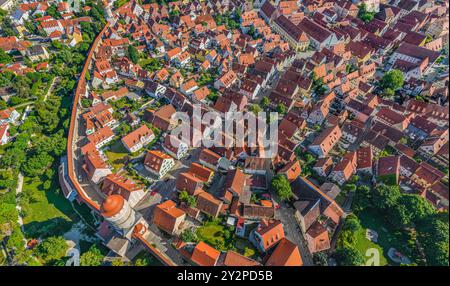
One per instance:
(293,232)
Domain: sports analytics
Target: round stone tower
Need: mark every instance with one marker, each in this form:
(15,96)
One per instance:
(118,212)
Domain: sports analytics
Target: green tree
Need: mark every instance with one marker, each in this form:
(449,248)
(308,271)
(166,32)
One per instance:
(347,256)
(92,257)
(52,248)
(433,235)
(282,186)
(185,197)
(281,108)
(133,54)
(392,80)
(265,101)
(5,58)
(362,199)
(385,197)
(320,259)
(189,235)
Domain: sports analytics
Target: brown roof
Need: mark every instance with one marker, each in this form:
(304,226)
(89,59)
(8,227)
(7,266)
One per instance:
(235,259)
(166,214)
(134,137)
(205,255)
(285,254)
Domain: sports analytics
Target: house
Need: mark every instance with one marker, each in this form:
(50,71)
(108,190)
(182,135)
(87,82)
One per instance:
(201,172)
(323,166)
(388,169)
(317,238)
(306,213)
(4,133)
(364,157)
(160,118)
(267,234)
(345,168)
(189,87)
(234,185)
(408,166)
(208,204)
(37,53)
(138,139)
(286,253)
(154,89)
(158,163)
(182,60)
(95,166)
(175,147)
(392,118)
(168,217)
(226,80)
(294,35)
(101,137)
(291,170)
(209,159)
(232,258)
(323,143)
(9,115)
(319,36)
(205,255)
(115,184)
(190,183)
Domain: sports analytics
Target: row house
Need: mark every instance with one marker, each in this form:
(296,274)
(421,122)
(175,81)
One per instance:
(323,143)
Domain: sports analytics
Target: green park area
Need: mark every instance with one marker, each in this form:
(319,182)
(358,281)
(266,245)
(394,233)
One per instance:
(45,212)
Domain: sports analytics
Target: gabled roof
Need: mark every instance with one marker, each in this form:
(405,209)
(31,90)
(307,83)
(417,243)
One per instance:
(285,254)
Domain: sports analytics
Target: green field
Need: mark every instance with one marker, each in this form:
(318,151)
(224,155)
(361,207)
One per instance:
(211,233)
(47,213)
(387,236)
(116,155)
(363,244)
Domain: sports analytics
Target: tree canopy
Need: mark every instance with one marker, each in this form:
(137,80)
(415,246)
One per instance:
(282,186)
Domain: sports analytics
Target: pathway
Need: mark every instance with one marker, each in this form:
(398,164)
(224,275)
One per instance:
(18,207)
(52,86)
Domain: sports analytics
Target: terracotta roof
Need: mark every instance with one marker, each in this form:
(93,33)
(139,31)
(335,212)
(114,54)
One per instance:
(271,232)
(235,259)
(154,159)
(205,255)
(134,137)
(285,254)
(112,205)
(166,214)
(117,184)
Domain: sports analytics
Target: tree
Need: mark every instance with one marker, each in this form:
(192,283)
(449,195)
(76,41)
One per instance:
(347,256)
(133,54)
(282,186)
(52,248)
(352,223)
(281,108)
(117,262)
(416,207)
(255,108)
(92,257)
(392,80)
(189,235)
(320,259)
(365,15)
(5,58)
(265,101)
(385,197)
(185,197)
(362,198)
(433,235)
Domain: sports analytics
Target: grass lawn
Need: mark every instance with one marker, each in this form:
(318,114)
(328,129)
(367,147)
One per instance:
(387,236)
(116,155)
(211,232)
(49,213)
(147,258)
(363,244)
(243,244)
